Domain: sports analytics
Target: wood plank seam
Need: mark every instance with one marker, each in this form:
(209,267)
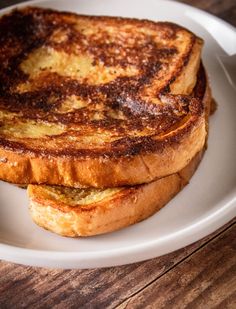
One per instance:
(120,306)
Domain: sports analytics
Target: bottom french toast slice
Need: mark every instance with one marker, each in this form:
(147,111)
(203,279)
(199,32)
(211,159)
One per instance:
(86,212)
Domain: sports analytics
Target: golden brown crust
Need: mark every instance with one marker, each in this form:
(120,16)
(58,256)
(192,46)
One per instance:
(140,124)
(127,207)
(101,172)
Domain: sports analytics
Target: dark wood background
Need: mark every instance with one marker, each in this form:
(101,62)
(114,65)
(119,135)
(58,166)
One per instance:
(202,275)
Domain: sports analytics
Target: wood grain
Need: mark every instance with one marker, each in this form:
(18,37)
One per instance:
(205,280)
(225,9)
(100,288)
(202,275)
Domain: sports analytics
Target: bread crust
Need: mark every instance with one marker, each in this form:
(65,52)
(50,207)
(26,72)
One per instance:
(128,207)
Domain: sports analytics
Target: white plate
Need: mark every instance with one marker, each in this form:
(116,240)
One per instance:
(207,203)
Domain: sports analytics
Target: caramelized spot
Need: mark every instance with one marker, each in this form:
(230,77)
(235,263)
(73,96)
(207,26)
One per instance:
(75,197)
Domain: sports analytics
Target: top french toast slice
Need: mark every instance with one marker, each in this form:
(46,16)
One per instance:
(96,101)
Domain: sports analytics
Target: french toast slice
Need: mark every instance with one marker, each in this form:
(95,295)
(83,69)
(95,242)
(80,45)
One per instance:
(88,101)
(91,211)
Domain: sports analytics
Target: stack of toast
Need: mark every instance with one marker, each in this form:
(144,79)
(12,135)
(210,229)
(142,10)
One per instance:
(105,119)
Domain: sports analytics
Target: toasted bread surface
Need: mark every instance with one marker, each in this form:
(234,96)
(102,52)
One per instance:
(90,101)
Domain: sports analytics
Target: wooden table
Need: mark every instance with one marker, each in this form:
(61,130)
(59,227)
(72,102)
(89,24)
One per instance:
(202,275)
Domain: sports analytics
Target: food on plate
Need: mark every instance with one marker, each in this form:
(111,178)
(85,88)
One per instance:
(90,211)
(90,101)
(104,118)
